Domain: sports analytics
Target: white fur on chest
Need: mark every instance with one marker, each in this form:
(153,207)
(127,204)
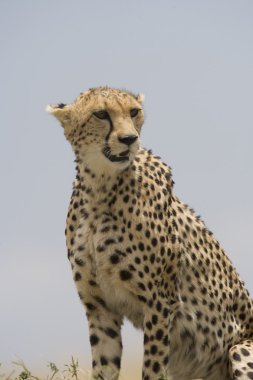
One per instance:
(118,298)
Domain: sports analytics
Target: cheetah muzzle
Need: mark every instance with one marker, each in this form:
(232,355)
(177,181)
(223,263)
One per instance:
(138,252)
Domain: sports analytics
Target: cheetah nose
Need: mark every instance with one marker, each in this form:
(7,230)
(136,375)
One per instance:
(128,139)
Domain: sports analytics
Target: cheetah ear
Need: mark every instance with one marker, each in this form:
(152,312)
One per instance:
(140,98)
(61,111)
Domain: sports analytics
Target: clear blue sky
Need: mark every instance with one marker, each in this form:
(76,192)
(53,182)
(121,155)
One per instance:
(193,60)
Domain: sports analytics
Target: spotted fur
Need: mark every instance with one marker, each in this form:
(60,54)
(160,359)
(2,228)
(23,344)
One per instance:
(139,252)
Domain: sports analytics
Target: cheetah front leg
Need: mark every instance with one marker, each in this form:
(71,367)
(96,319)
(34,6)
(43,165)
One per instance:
(104,330)
(105,341)
(104,325)
(241,360)
(156,344)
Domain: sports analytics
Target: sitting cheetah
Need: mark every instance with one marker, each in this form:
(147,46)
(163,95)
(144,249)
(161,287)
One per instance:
(138,252)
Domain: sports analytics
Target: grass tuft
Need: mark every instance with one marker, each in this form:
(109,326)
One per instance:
(21,372)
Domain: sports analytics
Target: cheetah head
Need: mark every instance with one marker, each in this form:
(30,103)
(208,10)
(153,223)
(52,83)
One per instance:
(103,126)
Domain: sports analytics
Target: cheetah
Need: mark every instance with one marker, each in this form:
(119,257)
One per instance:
(138,252)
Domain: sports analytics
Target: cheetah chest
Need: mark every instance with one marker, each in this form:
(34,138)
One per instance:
(100,244)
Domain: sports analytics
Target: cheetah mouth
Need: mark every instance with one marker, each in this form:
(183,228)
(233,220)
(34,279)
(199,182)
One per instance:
(121,157)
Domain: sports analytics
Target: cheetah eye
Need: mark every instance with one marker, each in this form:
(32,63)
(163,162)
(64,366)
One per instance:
(101,114)
(134,112)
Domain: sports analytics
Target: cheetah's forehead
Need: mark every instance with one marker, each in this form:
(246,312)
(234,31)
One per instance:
(108,93)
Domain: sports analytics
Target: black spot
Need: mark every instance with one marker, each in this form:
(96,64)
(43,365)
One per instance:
(139,227)
(154,319)
(79,261)
(137,260)
(166,312)
(109,241)
(100,248)
(141,286)
(61,105)
(100,301)
(166,360)
(142,298)
(110,332)
(114,258)
(147,233)
(146,269)
(105,229)
(153,349)
(154,242)
(103,360)
(250,375)
(125,275)
(244,352)
(166,341)
(116,361)
(141,246)
(156,367)
(211,306)
(90,306)
(77,276)
(236,357)
(214,321)
(94,340)
(158,306)
(132,182)
(149,325)
(126,198)
(185,333)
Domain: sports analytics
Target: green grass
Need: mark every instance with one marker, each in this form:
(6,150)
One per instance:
(70,371)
